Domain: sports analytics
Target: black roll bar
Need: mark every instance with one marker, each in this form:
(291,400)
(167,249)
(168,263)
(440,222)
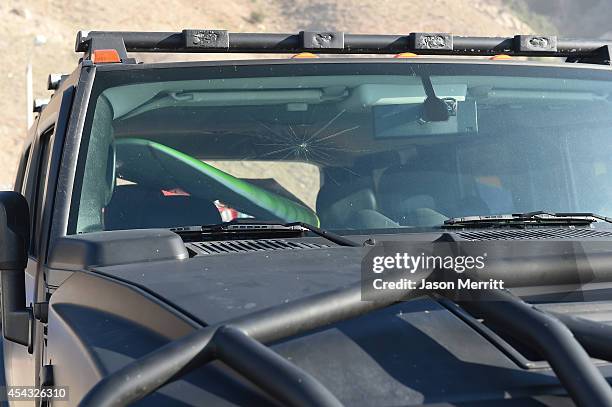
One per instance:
(271,372)
(239,343)
(552,339)
(177,358)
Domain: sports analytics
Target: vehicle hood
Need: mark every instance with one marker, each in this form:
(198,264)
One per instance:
(221,287)
(410,353)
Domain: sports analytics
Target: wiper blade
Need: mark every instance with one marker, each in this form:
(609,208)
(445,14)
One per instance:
(536,218)
(576,215)
(249,228)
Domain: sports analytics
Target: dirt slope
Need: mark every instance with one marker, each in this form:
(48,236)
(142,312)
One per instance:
(581,19)
(56,23)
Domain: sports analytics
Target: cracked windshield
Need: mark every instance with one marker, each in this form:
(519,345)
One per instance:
(345,146)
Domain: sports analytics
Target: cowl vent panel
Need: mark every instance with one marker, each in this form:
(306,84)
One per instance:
(535,234)
(244,246)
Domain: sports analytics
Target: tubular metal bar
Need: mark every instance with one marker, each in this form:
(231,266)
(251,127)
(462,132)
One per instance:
(568,359)
(270,371)
(439,44)
(595,337)
(171,361)
(549,336)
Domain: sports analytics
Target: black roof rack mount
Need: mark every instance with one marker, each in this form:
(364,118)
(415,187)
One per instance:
(333,42)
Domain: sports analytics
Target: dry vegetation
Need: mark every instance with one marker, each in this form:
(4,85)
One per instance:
(58,21)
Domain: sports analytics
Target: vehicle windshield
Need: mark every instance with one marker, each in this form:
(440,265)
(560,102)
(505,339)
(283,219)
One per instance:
(344,146)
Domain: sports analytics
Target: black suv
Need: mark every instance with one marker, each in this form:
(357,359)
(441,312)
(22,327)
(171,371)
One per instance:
(203,233)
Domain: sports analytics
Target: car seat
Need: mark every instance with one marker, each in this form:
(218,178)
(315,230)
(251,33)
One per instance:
(350,205)
(337,202)
(135,207)
(424,197)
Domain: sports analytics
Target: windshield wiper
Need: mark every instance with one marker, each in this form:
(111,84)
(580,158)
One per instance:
(587,215)
(245,228)
(536,218)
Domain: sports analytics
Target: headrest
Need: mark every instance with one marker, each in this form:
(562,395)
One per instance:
(336,204)
(425,197)
(422,186)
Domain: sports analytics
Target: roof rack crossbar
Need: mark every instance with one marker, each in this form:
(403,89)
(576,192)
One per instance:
(332,42)
(550,336)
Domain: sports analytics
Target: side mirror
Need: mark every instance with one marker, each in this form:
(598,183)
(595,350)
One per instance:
(14,242)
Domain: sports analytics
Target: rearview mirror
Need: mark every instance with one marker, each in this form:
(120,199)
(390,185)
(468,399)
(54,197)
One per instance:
(14,241)
(436,117)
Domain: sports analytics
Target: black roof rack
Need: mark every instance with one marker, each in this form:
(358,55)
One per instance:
(333,42)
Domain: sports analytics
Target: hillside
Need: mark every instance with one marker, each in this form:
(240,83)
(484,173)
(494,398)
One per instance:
(57,21)
(584,18)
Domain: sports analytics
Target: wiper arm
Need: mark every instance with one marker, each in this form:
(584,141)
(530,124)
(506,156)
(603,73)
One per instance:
(245,227)
(567,215)
(536,218)
(332,237)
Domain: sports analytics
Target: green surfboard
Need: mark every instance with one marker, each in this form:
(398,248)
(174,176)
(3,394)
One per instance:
(148,162)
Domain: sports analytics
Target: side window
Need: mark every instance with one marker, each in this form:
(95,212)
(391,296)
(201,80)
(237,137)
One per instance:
(36,184)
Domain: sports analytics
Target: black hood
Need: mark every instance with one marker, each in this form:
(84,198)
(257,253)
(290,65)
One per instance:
(421,351)
(410,353)
(220,287)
